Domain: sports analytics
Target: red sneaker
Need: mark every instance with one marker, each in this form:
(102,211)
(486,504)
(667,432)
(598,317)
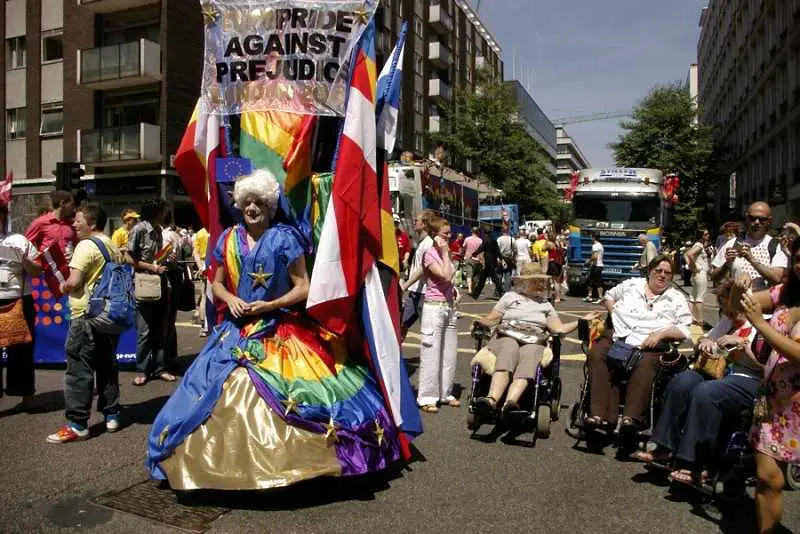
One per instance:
(67,433)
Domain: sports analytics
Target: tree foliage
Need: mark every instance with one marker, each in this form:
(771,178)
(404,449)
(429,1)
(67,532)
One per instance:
(662,135)
(484,128)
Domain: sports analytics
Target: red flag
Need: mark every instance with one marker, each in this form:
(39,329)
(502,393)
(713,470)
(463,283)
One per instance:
(5,188)
(55,268)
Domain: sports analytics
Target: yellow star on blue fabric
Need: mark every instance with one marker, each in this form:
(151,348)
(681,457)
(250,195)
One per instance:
(330,433)
(259,277)
(162,437)
(209,13)
(290,404)
(379,431)
(362,15)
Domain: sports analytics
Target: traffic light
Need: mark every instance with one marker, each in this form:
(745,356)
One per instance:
(68,175)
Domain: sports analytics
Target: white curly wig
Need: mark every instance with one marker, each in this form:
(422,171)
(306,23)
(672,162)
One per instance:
(260,183)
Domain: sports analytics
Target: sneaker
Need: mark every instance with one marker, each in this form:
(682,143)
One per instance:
(112,423)
(203,333)
(597,301)
(587,299)
(67,433)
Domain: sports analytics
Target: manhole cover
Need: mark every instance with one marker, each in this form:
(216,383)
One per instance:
(147,499)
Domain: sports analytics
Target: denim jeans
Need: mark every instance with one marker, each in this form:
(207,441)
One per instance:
(437,357)
(90,354)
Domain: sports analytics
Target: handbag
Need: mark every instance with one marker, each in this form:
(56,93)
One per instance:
(13,326)
(711,367)
(147,287)
(623,356)
(186,295)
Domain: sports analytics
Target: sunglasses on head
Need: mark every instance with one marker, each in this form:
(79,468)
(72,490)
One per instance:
(757,219)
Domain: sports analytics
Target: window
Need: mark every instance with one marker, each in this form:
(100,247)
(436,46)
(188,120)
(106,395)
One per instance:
(15,123)
(52,46)
(52,120)
(419,143)
(15,52)
(418,66)
(418,26)
(418,102)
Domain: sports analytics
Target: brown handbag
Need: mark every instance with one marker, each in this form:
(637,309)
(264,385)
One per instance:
(13,326)
(712,367)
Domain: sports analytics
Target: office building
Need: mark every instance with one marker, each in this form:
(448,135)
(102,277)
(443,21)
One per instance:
(569,158)
(749,89)
(538,127)
(108,83)
(446,43)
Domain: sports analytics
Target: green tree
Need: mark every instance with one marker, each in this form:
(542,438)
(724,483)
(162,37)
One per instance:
(662,135)
(484,128)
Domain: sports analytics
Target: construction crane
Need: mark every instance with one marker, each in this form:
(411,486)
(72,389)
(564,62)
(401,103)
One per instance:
(592,117)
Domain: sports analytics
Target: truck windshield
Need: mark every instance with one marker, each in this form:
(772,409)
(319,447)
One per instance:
(624,209)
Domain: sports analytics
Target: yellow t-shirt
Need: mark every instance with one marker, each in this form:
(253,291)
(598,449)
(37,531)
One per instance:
(201,243)
(88,259)
(120,237)
(538,252)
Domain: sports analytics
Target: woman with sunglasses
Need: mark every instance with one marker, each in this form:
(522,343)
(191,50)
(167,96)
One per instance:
(647,313)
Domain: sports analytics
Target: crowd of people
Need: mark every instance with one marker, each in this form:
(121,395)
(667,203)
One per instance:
(750,360)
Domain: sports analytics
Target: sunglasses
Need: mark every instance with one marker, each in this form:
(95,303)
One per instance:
(662,271)
(756,219)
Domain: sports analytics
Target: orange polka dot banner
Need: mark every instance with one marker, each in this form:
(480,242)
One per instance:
(52,324)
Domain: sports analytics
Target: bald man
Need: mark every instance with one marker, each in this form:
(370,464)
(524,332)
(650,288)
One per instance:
(756,254)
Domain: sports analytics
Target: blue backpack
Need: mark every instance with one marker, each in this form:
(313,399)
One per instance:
(112,305)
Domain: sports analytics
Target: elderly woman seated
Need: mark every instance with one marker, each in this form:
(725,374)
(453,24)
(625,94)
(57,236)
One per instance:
(646,313)
(523,318)
(699,400)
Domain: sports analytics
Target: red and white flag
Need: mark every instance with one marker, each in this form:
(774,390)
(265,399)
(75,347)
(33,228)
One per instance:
(351,232)
(55,268)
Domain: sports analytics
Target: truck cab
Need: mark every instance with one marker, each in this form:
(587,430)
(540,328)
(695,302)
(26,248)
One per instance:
(617,205)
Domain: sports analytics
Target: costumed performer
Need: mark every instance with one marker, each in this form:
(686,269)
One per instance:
(273,398)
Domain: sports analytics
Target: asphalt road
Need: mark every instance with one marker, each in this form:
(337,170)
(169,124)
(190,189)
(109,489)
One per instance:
(454,483)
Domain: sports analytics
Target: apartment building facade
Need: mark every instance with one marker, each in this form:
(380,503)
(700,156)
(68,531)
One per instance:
(107,83)
(538,127)
(446,43)
(749,88)
(569,158)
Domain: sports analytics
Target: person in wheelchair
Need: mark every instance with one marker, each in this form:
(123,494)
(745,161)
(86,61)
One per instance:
(646,314)
(698,401)
(523,319)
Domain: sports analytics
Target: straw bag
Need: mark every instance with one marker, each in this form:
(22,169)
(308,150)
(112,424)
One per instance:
(13,326)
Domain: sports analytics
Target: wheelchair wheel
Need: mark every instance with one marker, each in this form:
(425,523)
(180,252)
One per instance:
(473,423)
(555,402)
(574,429)
(543,419)
(792,476)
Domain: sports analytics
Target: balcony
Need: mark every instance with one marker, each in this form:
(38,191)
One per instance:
(125,145)
(438,90)
(112,6)
(434,125)
(121,65)
(480,62)
(440,19)
(439,55)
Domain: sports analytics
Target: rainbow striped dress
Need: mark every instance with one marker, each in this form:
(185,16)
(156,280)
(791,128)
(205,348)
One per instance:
(270,400)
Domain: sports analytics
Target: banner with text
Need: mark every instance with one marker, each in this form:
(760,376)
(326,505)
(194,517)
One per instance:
(282,55)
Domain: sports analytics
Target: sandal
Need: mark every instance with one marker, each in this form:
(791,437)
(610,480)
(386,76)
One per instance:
(486,405)
(453,402)
(595,420)
(167,377)
(657,456)
(682,476)
(628,425)
(508,407)
(140,380)
(429,408)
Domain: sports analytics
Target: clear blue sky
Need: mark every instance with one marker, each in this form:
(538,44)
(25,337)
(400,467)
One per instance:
(591,56)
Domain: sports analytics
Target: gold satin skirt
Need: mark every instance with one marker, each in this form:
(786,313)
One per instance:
(245,445)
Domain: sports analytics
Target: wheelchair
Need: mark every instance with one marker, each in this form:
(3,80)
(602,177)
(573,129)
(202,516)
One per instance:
(539,405)
(670,364)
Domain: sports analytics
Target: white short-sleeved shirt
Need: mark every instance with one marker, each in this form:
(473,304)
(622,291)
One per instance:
(13,248)
(506,245)
(422,248)
(760,252)
(635,316)
(597,247)
(523,246)
(701,260)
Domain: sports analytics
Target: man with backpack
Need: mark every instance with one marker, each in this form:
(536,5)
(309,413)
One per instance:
(90,349)
(756,253)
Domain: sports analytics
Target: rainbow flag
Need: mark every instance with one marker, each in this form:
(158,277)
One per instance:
(281,142)
(162,255)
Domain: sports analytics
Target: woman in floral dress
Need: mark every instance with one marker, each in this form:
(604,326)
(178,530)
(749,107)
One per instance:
(776,437)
